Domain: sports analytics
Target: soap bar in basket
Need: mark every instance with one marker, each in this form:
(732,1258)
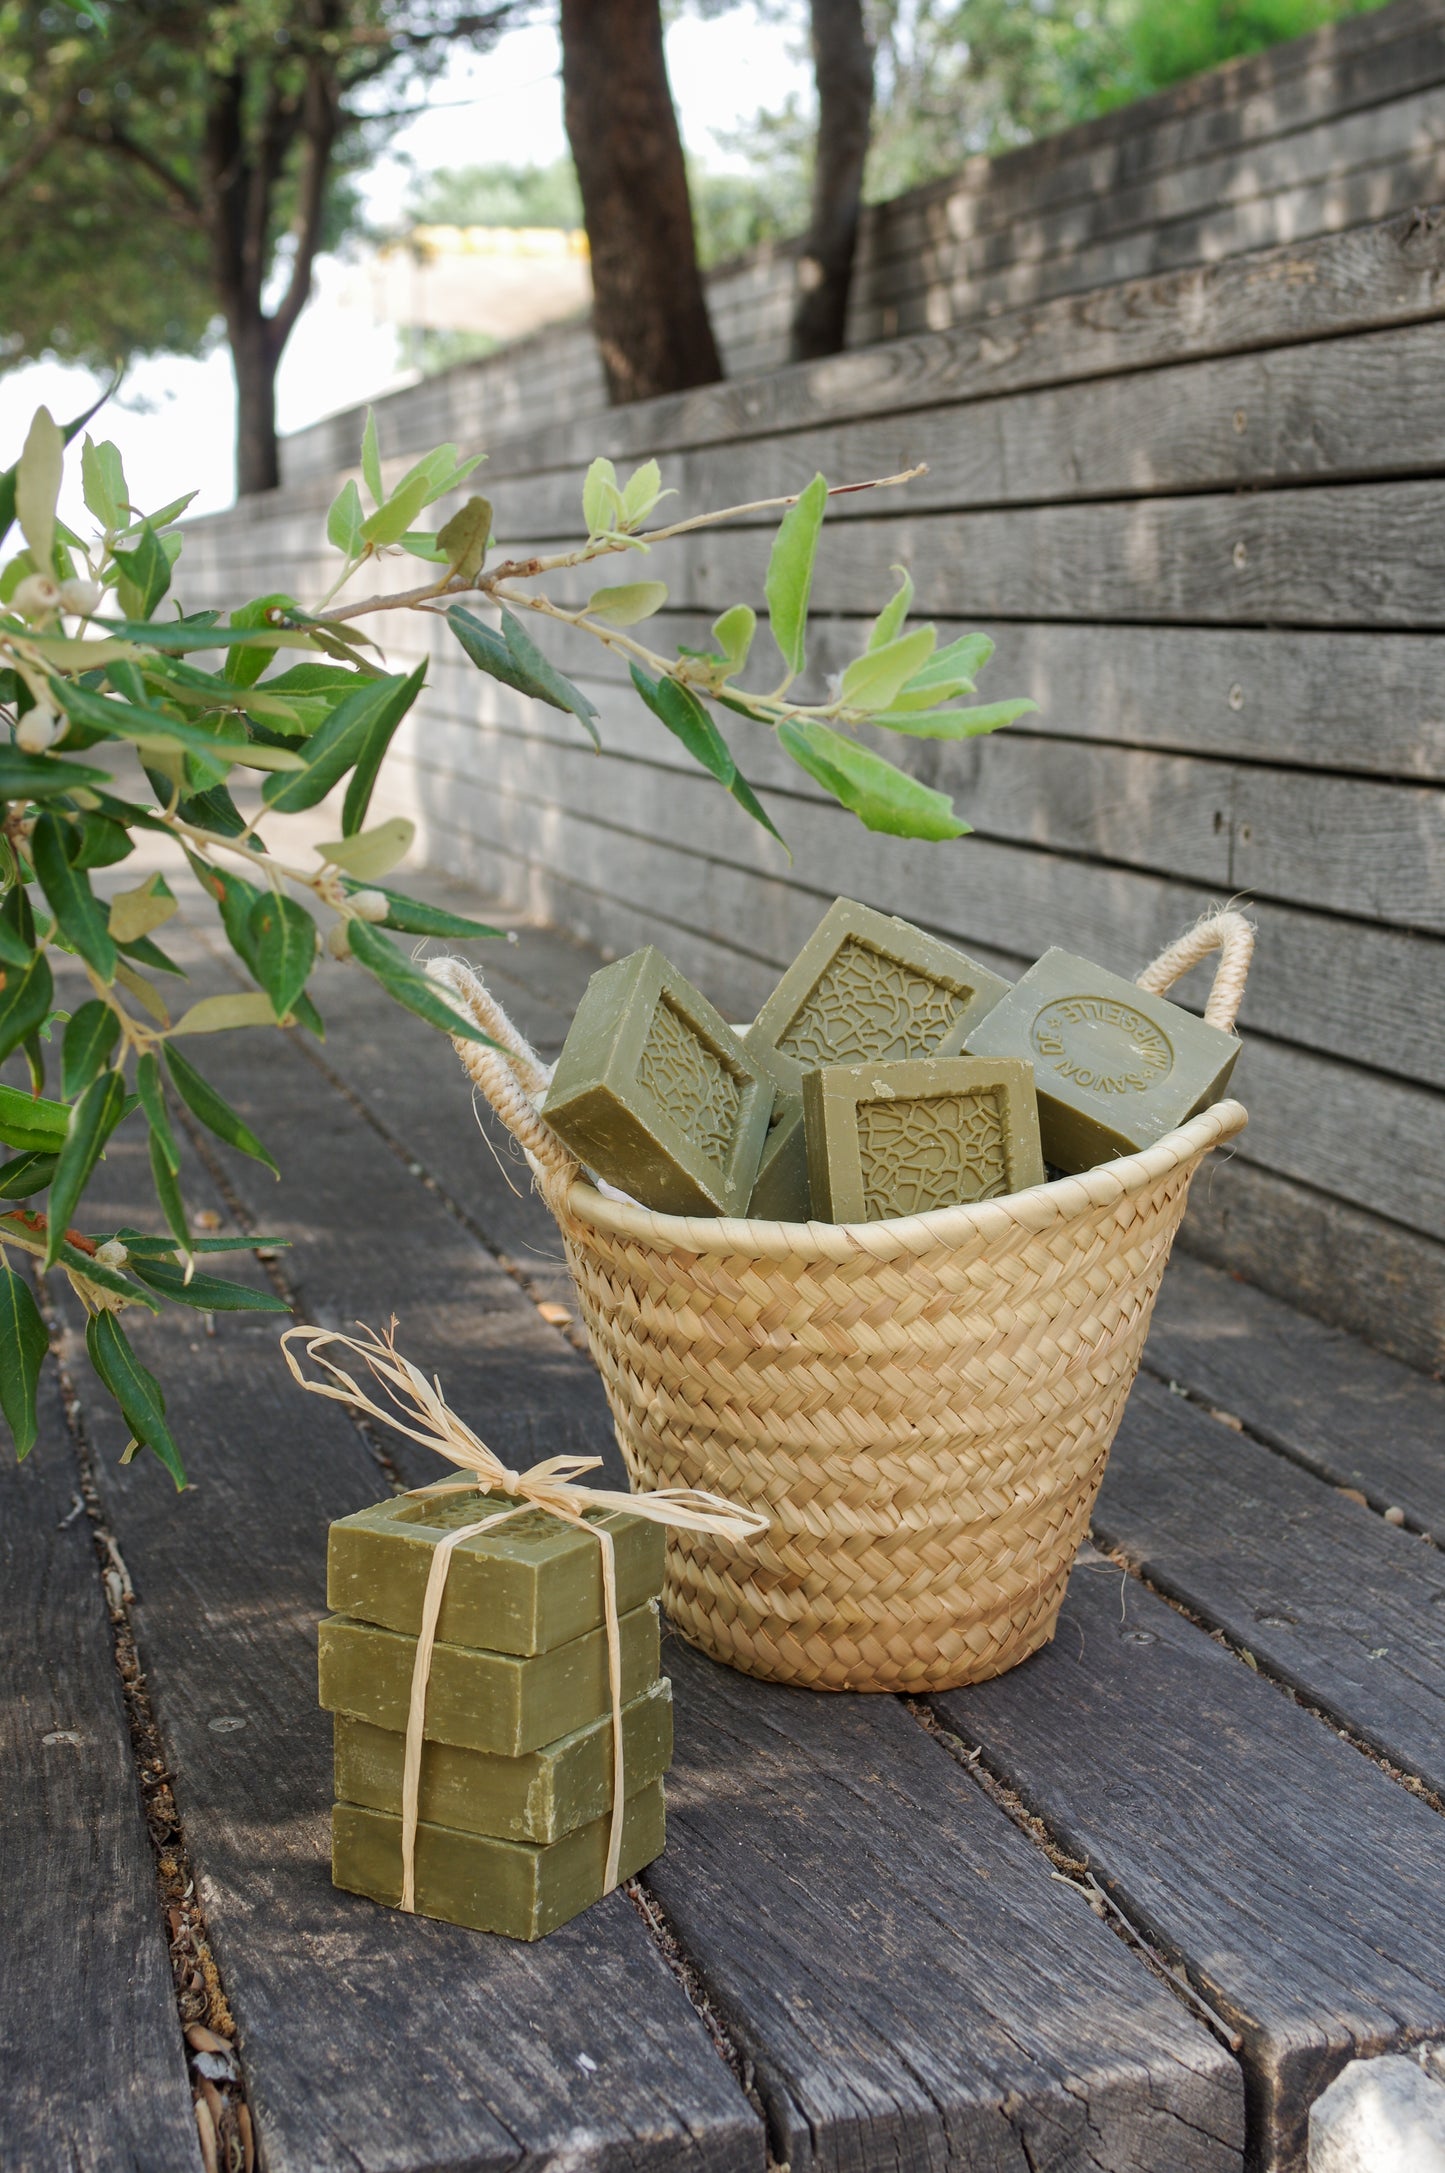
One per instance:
(656,1093)
(538,1797)
(868,988)
(492,1885)
(901,1139)
(1115,1068)
(780,1190)
(523,1587)
(492,1701)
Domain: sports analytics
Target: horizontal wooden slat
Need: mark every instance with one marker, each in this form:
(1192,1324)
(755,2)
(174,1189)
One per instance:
(1342,986)
(1322,1397)
(1226,1820)
(1323,409)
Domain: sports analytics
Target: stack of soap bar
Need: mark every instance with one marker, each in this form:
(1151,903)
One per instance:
(901,1139)
(515,1792)
(656,1093)
(864,988)
(1115,1069)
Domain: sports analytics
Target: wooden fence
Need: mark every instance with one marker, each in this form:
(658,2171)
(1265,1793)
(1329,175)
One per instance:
(1203,513)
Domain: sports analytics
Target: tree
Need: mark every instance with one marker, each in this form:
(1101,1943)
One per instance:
(649,309)
(843,71)
(163,163)
(91,670)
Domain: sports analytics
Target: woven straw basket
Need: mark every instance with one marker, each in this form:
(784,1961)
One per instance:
(923,1407)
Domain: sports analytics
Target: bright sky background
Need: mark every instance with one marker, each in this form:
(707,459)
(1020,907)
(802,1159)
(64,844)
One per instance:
(175,419)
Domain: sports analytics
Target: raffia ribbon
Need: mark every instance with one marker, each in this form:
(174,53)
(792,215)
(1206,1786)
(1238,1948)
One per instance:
(417,1408)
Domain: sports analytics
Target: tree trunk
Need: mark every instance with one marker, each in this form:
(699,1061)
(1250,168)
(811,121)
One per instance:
(649,310)
(843,67)
(254,356)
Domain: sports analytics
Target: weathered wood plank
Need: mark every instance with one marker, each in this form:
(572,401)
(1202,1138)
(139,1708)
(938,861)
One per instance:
(1324,409)
(1330,556)
(1227,1823)
(1325,1399)
(1343,1607)
(1366,848)
(1351,1268)
(1367,704)
(508,2057)
(90,2040)
(909,1984)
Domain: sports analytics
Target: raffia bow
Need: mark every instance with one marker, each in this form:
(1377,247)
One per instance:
(417,1408)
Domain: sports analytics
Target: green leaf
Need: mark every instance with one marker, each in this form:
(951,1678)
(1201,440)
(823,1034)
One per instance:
(41,777)
(168,1193)
(214,1112)
(343,522)
(80,913)
(142,1247)
(103,843)
(411,987)
(686,718)
(207,1293)
(549,682)
(627,604)
(10,478)
(25,1001)
(371,459)
(102,478)
(24,1342)
(220,1014)
(790,573)
(949,671)
(358,731)
(77,1262)
(145,573)
(217,745)
(463,541)
(89,1038)
(601,499)
(92,1120)
(151,1089)
(135,1389)
(874,680)
(25,1175)
(953,723)
(391,520)
(641,492)
(372,852)
(180,637)
(284,936)
(490,653)
(889,623)
(37,485)
(247,658)
(411,917)
(882,797)
(134,913)
(375,742)
(27,1121)
(17,929)
(733,633)
(420,543)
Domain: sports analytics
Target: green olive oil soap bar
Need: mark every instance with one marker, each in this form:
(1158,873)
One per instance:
(493,1701)
(492,1885)
(538,1797)
(523,1587)
(901,1139)
(656,1093)
(1115,1068)
(780,1189)
(867,988)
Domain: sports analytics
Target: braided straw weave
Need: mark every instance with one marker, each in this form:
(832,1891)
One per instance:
(922,1407)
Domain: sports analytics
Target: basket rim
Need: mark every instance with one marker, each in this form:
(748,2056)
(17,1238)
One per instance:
(1036,1209)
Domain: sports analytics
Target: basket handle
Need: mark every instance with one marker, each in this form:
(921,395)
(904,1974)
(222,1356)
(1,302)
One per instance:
(1232,936)
(512,1077)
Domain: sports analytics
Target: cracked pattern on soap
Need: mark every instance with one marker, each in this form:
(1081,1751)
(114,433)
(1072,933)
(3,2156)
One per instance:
(938,1152)
(689,1085)
(865,1008)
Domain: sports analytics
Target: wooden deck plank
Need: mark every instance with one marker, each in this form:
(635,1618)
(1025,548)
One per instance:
(372,2043)
(1343,1607)
(911,1986)
(1320,1396)
(1302,1890)
(92,2070)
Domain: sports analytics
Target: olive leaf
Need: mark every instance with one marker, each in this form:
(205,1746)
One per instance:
(790,573)
(24,1342)
(464,538)
(883,797)
(628,604)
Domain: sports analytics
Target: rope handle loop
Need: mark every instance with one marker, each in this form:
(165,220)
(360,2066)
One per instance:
(1230,934)
(512,1077)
